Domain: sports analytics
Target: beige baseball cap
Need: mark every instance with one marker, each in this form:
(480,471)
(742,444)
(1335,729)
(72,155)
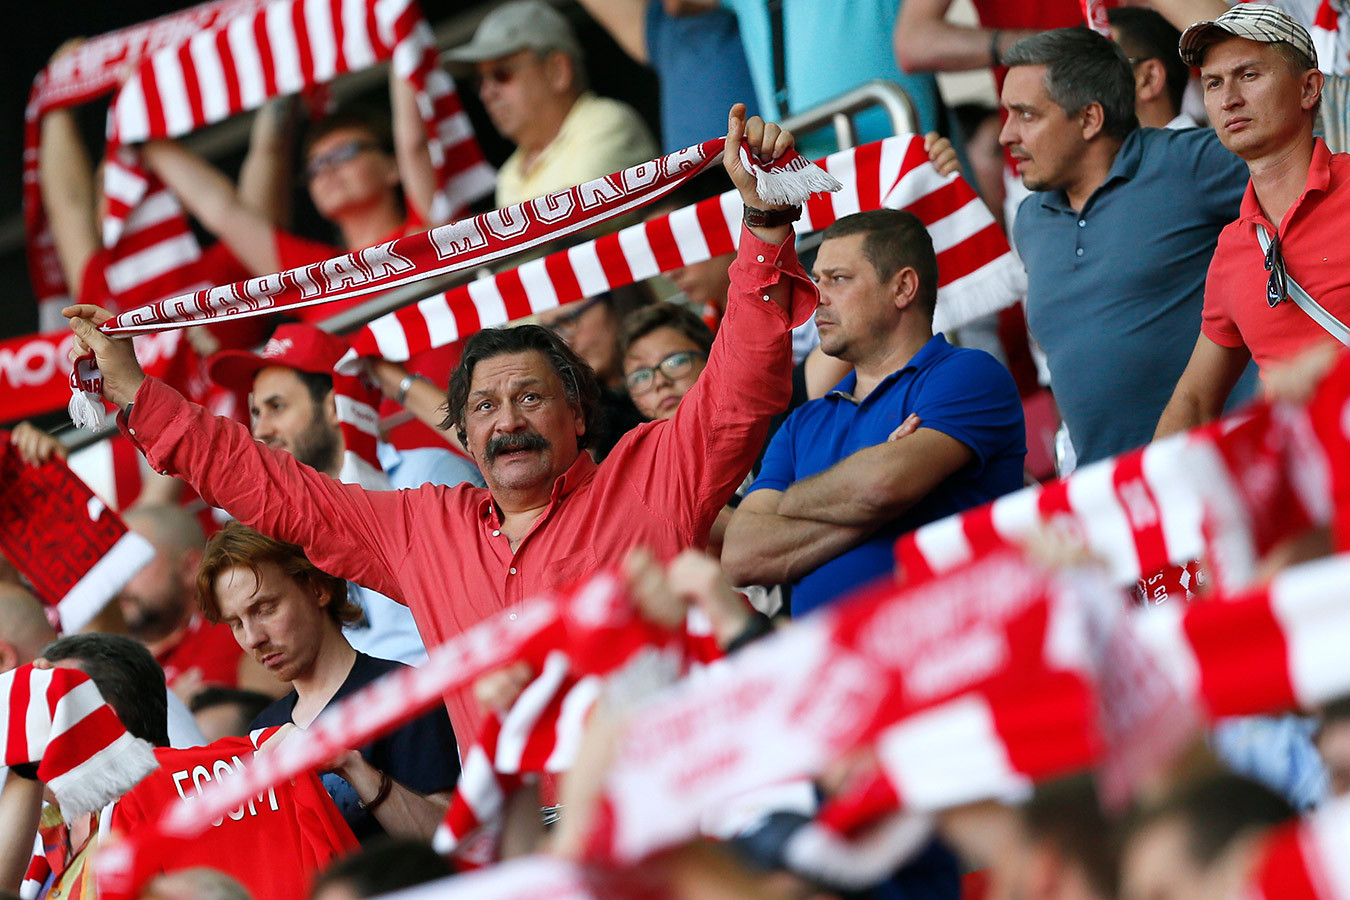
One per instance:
(1253,21)
(516,26)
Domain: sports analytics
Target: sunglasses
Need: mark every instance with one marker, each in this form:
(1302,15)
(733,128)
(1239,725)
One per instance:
(677,364)
(336,157)
(499,74)
(1277,286)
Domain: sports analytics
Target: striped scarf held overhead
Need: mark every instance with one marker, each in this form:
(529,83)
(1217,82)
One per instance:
(208,63)
(977,271)
(56,719)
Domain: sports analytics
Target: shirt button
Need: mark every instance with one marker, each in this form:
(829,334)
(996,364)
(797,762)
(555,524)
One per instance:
(513,570)
(1080,251)
(497,533)
(766,300)
(1082,223)
(132,431)
(513,617)
(760,258)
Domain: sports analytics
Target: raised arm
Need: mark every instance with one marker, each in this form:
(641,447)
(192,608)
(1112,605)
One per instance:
(410,148)
(359,535)
(211,198)
(266,174)
(1204,387)
(925,41)
(1184,13)
(67,179)
(626,22)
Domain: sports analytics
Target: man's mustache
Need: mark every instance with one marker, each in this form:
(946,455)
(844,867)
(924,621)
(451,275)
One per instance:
(508,443)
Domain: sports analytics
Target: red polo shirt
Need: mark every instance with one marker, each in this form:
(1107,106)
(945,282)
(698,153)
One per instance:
(440,550)
(1312,240)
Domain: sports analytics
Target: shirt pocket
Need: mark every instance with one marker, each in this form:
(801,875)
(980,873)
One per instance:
(560,574)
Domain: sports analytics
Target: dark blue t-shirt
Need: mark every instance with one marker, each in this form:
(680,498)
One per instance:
(963,393)
(421,755)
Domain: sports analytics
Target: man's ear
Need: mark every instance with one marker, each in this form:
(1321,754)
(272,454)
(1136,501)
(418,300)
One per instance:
(9,656)
(1092,119)
(330,415)
(1313,82)
(560,71)
(904,287)
(1150,79)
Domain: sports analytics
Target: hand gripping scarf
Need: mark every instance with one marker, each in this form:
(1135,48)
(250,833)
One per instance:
(56,719)
(448,248)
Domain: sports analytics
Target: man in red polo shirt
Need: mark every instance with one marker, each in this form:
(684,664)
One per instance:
(524,406)
(1262,89)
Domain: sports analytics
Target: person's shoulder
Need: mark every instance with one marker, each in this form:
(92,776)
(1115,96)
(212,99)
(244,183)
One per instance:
(370,668)
(606,112)
(975,368)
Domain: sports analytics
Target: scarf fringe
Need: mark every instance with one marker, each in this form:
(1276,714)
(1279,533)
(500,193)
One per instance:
(792,183)
(992,288)
(104,776)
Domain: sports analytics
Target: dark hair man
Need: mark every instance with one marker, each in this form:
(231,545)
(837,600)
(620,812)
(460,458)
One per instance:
(294,408)
(288,615)
(1160,77)
(1115,263)
(1199,842)
(1280,262)
(835,490)
(550,515)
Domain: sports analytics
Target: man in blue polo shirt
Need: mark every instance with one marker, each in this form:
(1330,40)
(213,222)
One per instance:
(1117,237)
(838,483)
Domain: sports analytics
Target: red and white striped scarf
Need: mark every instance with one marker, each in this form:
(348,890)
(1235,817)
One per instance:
(449,248)
(1094,15)
(1306,860)
(75,551)
(55,718)
(289,46)
(1228,491)
(96,68)
(977,272)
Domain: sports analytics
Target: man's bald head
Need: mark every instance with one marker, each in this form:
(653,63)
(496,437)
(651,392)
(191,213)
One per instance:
(24,629)
(160,598)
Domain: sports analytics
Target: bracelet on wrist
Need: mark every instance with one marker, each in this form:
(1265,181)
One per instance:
(771,218)
(406,385)
(381,795)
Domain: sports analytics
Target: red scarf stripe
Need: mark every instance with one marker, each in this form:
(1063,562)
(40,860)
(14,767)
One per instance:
(1254,680)
(972,254)
(1048,725)
(609,252)
(515,299)
(665,251)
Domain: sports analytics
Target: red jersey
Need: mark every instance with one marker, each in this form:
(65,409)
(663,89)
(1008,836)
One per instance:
(273,844)
(211,649)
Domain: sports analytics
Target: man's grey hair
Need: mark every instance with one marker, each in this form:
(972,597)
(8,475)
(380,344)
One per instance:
(200,883)
(1082,67)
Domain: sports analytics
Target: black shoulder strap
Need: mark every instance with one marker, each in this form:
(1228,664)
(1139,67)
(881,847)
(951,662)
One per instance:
(779,53)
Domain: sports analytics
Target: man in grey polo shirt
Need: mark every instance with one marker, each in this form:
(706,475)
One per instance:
(1117,237)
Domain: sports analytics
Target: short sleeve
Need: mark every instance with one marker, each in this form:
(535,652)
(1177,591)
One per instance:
(422,755)
(971,397)
(1216,321)
(778,469)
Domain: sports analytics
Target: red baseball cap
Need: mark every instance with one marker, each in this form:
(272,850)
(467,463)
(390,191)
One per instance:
(294,345)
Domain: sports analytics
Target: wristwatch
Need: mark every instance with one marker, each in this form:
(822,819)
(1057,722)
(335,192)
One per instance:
(771,218)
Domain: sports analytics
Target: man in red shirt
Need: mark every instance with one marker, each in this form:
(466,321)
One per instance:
(160,610)
(524,405)
(1262,90)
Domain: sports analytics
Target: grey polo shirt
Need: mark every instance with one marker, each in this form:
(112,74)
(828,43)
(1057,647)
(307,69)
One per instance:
(1115,290)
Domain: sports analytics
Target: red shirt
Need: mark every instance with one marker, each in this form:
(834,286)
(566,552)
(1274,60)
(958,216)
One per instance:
(440,550)
(211,649)
(1312,241)
(273,846)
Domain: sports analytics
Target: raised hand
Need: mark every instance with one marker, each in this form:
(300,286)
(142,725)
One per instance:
(767,142)
(122,374)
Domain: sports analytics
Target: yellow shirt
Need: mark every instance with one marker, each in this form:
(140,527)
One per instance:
(598,136)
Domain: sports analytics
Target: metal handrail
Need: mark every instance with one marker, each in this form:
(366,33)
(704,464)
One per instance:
(837,113)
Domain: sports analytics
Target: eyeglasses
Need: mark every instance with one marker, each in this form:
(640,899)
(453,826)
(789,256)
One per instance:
(677,364)
(336,157)
(1277,286)
(501,73)
(565,325)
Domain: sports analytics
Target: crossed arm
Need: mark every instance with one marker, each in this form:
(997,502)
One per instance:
(776,537)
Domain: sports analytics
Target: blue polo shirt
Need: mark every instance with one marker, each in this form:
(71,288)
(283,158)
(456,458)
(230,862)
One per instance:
(964,393)
(1115,290)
